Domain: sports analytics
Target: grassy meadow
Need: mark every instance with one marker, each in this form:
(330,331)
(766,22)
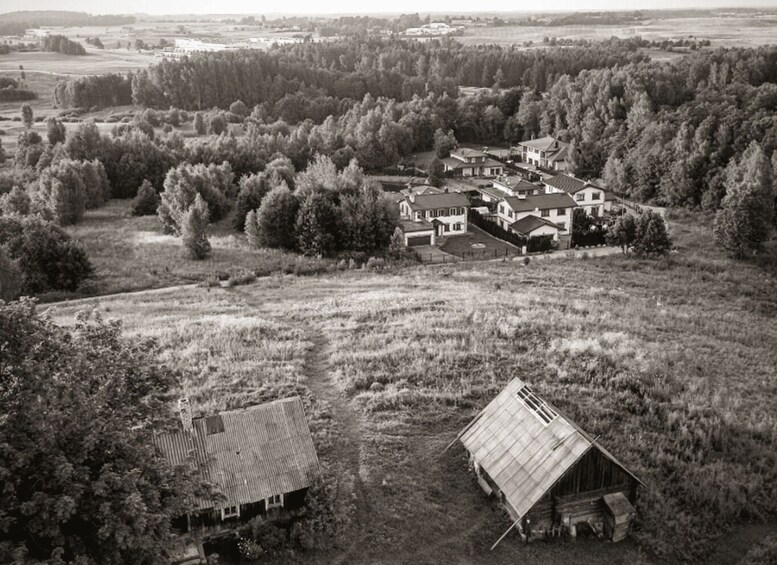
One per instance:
(672,363)
(132,253)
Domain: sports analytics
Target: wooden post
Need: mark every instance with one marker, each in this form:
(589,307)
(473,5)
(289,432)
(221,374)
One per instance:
(504,535)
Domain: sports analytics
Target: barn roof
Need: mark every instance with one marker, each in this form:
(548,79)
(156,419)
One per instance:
(250,454)
(526,445)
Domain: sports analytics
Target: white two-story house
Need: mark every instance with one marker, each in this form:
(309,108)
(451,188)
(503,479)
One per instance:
(540,214)
(546,153)
(471,163)
(445,211)
(587,195)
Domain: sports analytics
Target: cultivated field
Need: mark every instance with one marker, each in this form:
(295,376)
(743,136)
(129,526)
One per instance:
(671,362)
(728,31)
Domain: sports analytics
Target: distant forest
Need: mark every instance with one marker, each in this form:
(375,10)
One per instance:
(656,131)
(15,23)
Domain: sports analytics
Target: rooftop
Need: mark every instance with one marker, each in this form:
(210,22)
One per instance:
(530,223)
(441,200)
(568,183)
(540,202)
(250,454)
(545,144)
(526,445)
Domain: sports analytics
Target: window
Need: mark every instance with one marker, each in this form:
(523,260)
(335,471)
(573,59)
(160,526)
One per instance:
(440,212)
(501,209)
(595,196)
(275,500)
(447,227)
(561,211)
(429,214)
(419,215)
(457,226)
(545,213)
(230,512)
(510,213)
(452,212)
(580,197)
(538,407)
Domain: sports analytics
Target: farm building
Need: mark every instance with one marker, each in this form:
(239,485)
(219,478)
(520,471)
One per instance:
(549,474)
(261,460)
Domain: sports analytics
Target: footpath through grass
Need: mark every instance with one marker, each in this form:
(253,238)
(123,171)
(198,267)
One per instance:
(672,363)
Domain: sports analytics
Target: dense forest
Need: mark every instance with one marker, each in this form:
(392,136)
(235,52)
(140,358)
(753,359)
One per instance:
(15,23)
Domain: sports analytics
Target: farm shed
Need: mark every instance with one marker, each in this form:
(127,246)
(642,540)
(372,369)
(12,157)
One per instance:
(548,473)
(261,460)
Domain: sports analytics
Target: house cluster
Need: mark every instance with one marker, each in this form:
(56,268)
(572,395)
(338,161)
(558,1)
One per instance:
(433,28)
(529,209)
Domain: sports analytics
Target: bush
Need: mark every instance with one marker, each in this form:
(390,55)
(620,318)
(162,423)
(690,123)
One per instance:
(329,510)
(199,124)
(47,257)
(183,183)
(147,200)
(651,238)
(194,227)
(276,218)
(10,277)
(241,278)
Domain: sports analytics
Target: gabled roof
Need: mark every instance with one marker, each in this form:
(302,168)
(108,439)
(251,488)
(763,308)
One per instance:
(569,183)
(250,454)
(517,182)
(454,163)
(530,223)
(434,201)
(557,147)
(540,202)
(467,153)
(526,445)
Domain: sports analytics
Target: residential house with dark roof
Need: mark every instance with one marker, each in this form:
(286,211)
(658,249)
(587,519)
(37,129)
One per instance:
(587,195)
(467,162)
(445,210)
(516,185)
(547,472)
(546,153)
(554,209)
(260,460)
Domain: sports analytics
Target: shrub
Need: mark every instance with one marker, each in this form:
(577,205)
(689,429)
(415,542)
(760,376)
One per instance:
(239,108)
(623,232)
(651,238)
(397,243)
(27,116)
(276,218)
(147,200)
(10,277)
(269,537)
(15,202)
(218,124)
(376,264)
(241,278)
(194,227)
(328,512)
(47,257)
(199,124)
(252,188)
(183,183)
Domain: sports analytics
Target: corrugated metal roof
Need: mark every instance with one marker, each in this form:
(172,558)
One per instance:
(524,456)
(264,450)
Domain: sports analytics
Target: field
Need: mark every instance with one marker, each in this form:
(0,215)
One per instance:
(671,362)
(133,253)
(729,31)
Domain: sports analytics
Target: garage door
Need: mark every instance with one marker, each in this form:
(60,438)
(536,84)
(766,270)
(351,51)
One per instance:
(419,240)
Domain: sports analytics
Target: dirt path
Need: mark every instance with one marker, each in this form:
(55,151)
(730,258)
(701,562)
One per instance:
(347,448)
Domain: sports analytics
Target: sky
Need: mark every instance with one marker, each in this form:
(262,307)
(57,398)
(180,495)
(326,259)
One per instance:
(356,6)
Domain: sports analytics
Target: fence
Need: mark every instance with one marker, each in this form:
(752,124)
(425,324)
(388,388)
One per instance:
(492,228)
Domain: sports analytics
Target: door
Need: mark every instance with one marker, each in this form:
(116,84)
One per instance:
(419,240)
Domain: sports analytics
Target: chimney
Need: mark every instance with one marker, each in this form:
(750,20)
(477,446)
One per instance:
(186,413)
(555,144)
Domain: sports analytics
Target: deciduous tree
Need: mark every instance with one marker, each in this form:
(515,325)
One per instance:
(194,229)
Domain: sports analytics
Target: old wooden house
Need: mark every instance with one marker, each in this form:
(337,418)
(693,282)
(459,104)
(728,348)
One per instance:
(549,474)
(261,461)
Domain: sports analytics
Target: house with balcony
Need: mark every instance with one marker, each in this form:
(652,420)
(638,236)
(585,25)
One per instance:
(537,215)
(587,195)
(546,153)
(445,211)
(467,162)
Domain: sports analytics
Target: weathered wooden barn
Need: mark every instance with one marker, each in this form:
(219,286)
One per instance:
(548,473)
(261,460)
